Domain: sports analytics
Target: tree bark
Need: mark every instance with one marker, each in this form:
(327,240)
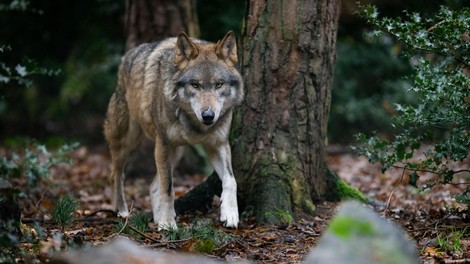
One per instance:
(280,129)
(153,20)
(200,198)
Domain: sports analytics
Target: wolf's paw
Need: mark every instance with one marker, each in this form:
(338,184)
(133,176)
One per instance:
(123,214)
(120,207)
(164,215)
(122,210)
(168,225)
(229,216)
(229,209)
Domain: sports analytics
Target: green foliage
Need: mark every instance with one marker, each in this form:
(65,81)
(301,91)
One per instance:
(138,221)
(11,244)
(439,47)
(451,241)
(19,76)
(207,237)
(22,72)
(8,236)
(63,211)
(444,34)
(33,162)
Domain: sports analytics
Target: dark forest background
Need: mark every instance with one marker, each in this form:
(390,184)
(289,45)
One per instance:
(71,51)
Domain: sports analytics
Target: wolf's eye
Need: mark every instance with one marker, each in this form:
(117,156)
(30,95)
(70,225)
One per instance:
(219,84)
(195,85)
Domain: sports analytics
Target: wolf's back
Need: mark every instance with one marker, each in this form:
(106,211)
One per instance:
(146,61)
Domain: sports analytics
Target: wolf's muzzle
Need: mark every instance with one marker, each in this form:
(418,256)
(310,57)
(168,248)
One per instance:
(208,117)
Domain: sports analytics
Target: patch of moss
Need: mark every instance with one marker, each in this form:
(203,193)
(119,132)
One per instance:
(347,192)
(280,216)
(341,190)
(345,227)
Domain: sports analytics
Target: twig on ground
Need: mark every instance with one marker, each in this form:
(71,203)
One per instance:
(125,223)
(394,188)
(142,234)
(455,261)
(164,243)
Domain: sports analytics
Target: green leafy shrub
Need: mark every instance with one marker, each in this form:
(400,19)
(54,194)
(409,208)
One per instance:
(439,47)
(33,162)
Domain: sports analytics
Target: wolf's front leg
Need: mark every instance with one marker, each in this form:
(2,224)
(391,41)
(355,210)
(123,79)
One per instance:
(221,159)
(161,190)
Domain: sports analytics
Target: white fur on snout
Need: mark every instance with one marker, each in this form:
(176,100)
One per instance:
(198,108)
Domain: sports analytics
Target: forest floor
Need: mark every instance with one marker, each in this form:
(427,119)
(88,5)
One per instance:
(433,219)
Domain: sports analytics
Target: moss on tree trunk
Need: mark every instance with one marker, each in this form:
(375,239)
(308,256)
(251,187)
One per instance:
(341,190)
(280,129)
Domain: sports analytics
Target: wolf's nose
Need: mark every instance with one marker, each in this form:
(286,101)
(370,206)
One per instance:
(208,116)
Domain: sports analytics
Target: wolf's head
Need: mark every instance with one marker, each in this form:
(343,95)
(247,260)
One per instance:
(208,84)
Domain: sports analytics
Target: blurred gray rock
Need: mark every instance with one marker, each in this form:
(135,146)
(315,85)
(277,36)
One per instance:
(357,235)
(124,251)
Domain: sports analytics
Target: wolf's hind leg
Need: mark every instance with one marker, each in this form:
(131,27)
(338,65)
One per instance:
(122,135)
(221,159)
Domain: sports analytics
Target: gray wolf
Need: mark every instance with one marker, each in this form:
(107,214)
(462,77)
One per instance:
(178,91)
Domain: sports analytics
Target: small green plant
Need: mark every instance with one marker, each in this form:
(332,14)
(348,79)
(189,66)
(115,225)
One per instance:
(180,233)
(207,237)
(439,48)
(451,241)
(138,221)
(63,211)
(205,246)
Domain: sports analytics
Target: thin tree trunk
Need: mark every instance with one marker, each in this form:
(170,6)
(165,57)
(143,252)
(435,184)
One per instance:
(280,130)
(152,20)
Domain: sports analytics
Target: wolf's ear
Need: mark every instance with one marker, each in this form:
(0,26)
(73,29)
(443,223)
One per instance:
(185,49)
(226,49)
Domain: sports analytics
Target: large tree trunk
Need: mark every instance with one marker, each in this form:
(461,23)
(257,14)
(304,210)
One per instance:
(280,130)
(152,20)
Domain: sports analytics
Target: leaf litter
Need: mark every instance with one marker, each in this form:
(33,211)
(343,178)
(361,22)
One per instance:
(433,219)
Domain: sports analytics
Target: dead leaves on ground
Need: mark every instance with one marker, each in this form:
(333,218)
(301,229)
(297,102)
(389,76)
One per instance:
(433,219)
